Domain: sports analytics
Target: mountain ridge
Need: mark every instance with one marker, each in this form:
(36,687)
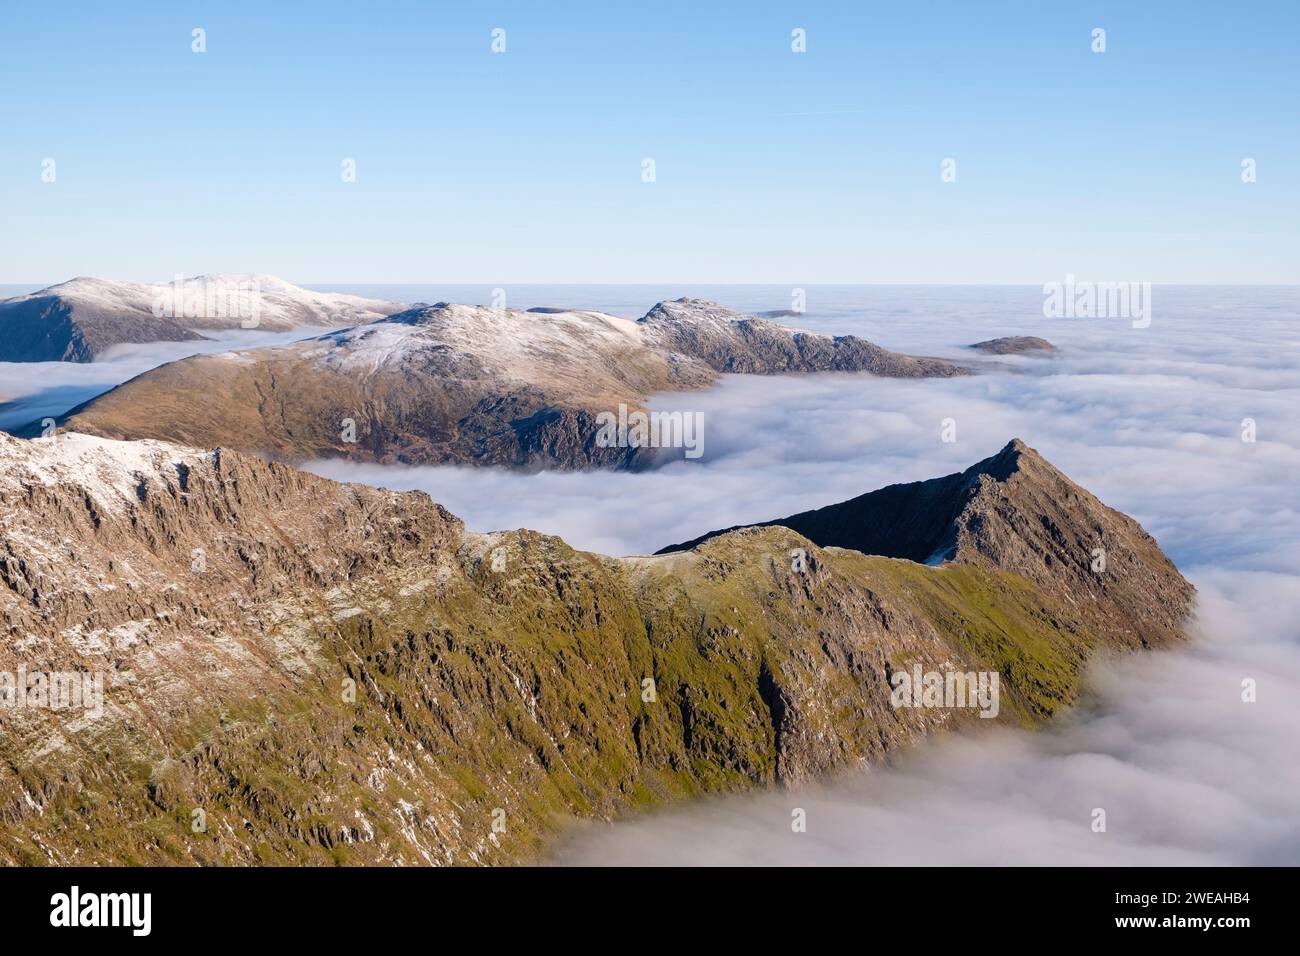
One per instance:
(339,674)
(460,384)
(970,516)
(80,319)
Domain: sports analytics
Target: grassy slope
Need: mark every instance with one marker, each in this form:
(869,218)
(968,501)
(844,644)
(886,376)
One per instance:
(523,691)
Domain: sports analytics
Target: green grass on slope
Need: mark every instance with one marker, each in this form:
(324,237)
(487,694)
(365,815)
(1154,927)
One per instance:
(522,692)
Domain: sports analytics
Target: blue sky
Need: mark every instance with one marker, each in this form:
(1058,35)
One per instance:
(771,166)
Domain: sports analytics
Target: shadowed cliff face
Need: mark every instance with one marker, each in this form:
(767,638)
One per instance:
(51,329)
(468,385)
(1015,512)
(335,673)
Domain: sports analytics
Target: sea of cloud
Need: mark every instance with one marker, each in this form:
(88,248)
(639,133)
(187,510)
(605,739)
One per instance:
(1149,419)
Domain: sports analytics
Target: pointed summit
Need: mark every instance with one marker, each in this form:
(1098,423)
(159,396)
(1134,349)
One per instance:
(1014,511)
(160,562)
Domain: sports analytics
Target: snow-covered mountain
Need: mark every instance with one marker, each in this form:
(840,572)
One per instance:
(78,320)
(468,384)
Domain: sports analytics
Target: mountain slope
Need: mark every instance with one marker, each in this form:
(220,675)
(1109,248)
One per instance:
(50,326)
(78,320)
(302,671)
(727,342)
(1015,512)
(466,384)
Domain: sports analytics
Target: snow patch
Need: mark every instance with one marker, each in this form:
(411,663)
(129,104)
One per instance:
(110,472)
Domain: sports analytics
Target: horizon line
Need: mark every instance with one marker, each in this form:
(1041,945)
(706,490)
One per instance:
(42,284)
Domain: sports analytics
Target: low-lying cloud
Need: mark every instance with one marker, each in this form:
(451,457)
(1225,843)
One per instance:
(1151,420)
(1148,419)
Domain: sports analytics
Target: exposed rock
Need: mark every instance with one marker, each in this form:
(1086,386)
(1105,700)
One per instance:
(731,343)
(333,673)
(467,384)
(1011,344)
(1015,512)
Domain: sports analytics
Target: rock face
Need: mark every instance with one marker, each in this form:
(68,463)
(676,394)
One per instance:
(1011,344)
(1015,512)
(79,320)
(467,384)
(328,673)
(730,343)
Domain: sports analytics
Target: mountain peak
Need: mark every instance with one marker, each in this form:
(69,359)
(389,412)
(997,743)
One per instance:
(223,595)
(728,341)
(687,310)
(1013,511)
(110,472)
(1013,344)
(1007,461)
(469,384)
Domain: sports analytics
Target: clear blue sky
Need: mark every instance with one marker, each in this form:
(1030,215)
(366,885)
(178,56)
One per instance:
(771,166)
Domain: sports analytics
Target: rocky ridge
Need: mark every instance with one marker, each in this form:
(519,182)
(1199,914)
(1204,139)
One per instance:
(1014,511)
(463,384)
(332,673)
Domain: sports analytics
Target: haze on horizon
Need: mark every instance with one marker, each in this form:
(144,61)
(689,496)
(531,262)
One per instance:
(526,166)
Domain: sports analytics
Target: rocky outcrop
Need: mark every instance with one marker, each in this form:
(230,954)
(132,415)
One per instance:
(79,320)
(1012,344)
(467,385)
(1015,512)
(729,343)
(302,671)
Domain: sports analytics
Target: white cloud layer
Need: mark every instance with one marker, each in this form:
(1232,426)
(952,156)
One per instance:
(1148,419)
(1151,421)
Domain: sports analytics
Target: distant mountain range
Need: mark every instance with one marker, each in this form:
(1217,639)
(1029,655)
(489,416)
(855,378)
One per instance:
(469,384)
(79,320)
(326,673)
